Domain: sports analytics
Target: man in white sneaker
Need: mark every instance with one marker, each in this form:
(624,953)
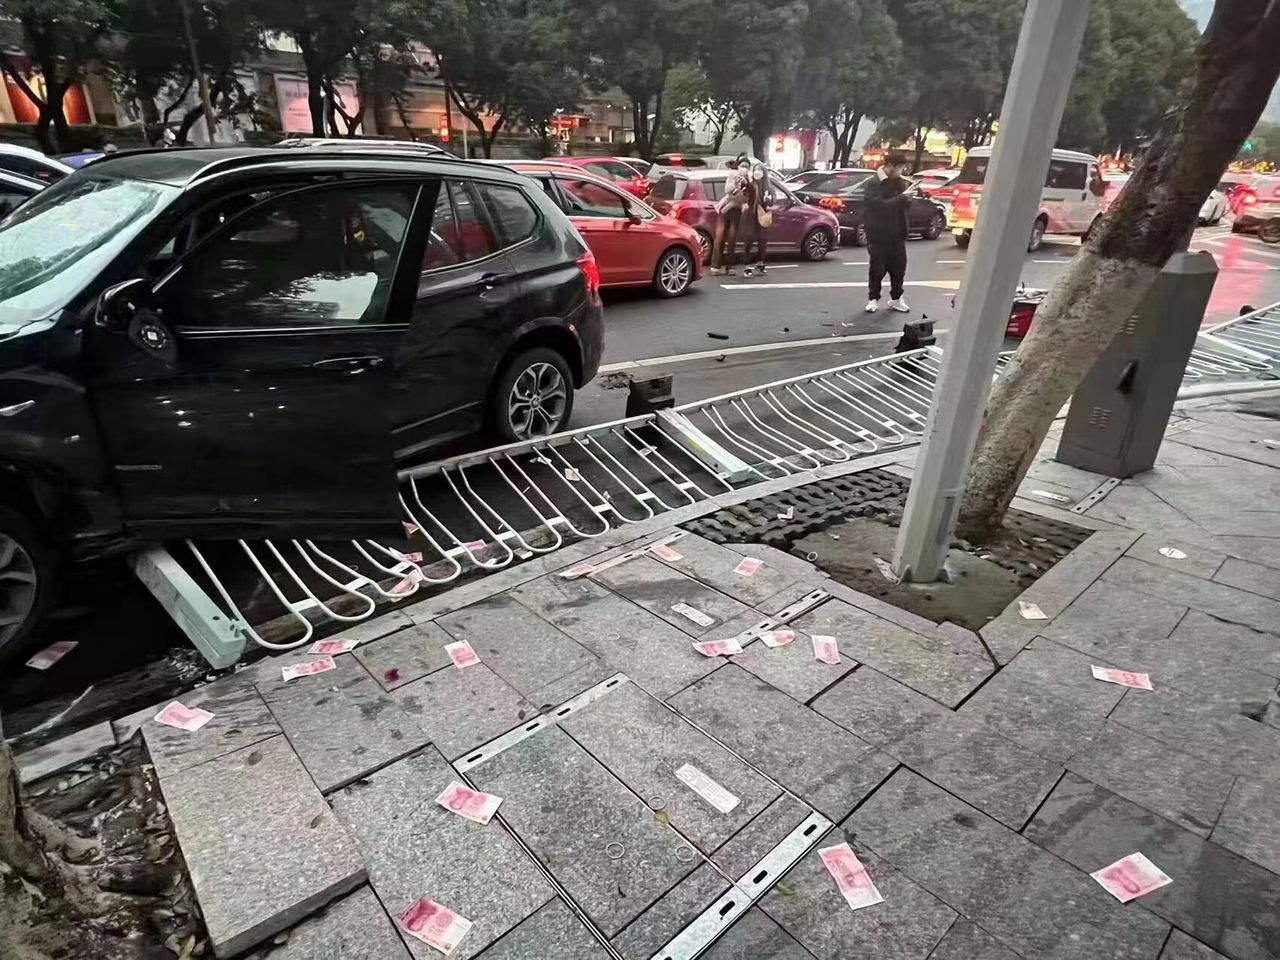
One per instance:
(885,219)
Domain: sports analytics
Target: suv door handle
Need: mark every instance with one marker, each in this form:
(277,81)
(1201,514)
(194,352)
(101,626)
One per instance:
(491,280)
(346,364)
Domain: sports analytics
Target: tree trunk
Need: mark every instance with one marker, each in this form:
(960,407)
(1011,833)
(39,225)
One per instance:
(1236,70)
(17,847)
(920,132)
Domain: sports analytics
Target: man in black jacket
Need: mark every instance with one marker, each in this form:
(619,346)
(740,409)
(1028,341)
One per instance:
(885,219)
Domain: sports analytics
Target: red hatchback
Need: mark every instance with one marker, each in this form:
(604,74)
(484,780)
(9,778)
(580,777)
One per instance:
(621,173)
(634,245)
(691,195)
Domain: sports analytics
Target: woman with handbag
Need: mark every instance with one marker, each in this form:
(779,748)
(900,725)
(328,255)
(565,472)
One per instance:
(757,218)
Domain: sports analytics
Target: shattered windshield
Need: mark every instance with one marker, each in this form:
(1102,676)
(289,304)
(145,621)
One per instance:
(54,245)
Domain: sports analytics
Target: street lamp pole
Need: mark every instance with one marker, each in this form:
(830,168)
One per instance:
(201,81)
(1035,96)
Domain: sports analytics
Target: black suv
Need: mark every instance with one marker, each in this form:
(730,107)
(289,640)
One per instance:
(239,342)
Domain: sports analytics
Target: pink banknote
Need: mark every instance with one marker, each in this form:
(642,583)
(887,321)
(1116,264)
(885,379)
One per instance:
(1130,877)
(183,717)
(825,649)
(718,648)
(461,653)
(307,668)
(851,876)
(435,925)
(469,803)
(747,566)
(1139,681)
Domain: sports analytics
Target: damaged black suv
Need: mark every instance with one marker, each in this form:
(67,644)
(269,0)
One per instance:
(243,342)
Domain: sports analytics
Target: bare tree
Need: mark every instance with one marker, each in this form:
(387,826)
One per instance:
(1236,67)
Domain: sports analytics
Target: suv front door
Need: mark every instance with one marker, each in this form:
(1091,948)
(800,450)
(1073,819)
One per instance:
(263,408)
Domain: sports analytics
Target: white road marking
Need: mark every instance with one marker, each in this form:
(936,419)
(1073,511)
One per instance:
(951,261)
(1058,260)
(856,263)
(752,348)
(1242,247)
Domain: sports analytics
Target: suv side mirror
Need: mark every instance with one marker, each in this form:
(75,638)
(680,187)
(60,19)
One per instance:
(130,308)
(632,216)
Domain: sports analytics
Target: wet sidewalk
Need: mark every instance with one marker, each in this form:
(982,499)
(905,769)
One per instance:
(979,777)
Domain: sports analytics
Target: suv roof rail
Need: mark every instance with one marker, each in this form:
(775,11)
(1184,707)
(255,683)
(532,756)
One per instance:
(251,158)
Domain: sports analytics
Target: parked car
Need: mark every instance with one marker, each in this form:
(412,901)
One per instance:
(237,342)
(690,196)
(938,184)
(634,245)
(1257,209)
(82,158)
(1070,203)
(797,180)
(1234,187)
(717,161)
(618,172)
(15,190)
(368,143)
(1212,210)
(845,196)
(32,163)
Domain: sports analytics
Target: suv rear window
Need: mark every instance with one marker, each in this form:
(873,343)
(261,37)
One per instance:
(669,187)
(1066,175)
(714,189)
(974,170)
(512,214)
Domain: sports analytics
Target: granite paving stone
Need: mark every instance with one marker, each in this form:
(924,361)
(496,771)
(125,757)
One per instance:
(1182,946)
(1232,642)
(341,723)
(551,932)
(1037,721)
(556,692)
(569,809)
(1207,728)
(258,867)
(406,655)
(1229,603)
(752,843)
(754,936)
(809,906)
(353,928)
(822,763)
(1064,674)
(967,941)
(1182,788)
(714,564)
(1250,823)
(1217,896)
(416,848)
(1200,560)
(792,668)
(937,666)
(627,637)
(1113,622)
(643,743)
(64,752)
(460,709)
(656,587)
(368,630)
(240,718)
(1253,577)
(652,930)
(1025,897)
(953,750)
(519,646)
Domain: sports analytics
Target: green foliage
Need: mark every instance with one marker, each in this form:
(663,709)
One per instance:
(1265,141)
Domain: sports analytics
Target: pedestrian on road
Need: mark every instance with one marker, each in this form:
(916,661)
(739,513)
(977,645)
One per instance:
(729,208)
(885,220)
(757,218)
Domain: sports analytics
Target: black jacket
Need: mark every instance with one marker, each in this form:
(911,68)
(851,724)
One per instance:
(884,213)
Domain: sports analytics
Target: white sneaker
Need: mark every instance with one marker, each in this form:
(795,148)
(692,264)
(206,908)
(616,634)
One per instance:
(873,306)
(900,305)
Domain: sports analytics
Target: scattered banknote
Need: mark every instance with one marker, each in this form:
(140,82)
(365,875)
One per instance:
(476,546)
(1130,877)
(718,648)
(332,647)
(1126,678)
(435,925)
(777,638)
(409,528)
(461,654)
(747,566)
(851,876)
(411,557)
(469,803)
(706,788)
(1173,553)
(692,613)
(407,585)
(307,668)
(664,551)
(51,654)
(183,717)
(1031,611)
(825,649)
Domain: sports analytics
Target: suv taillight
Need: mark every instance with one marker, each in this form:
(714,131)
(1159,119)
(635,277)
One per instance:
(591,273)
(681,210)
(1248,195)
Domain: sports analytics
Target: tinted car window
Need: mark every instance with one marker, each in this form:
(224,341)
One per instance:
(669,187)
(1066,175)
(714,189)
(835,182)
(9,199)
(30,167)
(459,230)
(974,170)
(591,199)
(311,258)
(512,214)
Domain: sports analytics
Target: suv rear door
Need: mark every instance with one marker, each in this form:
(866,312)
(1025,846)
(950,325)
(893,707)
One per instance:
(1066,185)
(269,414)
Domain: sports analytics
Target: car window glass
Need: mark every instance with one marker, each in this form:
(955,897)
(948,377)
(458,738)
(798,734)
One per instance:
(512,214)
(602,170)
(30,167)
(974,170)
(444,244)
(311,258)
(478,240)
(619,171)
(9,200)
(668,187)
(592,199)
(1066,175)
(714,189)
(460,230)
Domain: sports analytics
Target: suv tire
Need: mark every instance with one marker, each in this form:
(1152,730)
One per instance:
(28,575)
(1036,239)
(532,397)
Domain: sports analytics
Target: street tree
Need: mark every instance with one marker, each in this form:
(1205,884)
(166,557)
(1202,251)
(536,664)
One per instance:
(1084,124)
(1263,145)
(634,45)
(1234,70)
(545,86)
(380,58)
(860,76)
(63,38)
(325,32)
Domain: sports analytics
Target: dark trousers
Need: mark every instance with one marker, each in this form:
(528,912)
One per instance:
(887,256)
(726,238)
(757,239)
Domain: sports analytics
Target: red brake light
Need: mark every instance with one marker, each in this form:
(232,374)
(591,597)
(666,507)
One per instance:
(680,208)
(1248,195)
(591,273)
(831,203)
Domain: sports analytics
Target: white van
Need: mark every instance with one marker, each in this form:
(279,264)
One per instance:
(1071,201)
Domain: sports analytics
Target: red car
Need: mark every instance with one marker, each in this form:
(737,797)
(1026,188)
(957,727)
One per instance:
(690,196)
(634,245)
(621,173)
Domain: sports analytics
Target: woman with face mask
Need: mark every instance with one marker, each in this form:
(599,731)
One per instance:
(729,223)
(757,218)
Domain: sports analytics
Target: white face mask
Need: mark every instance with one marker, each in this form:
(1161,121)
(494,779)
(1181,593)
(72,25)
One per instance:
(757,174)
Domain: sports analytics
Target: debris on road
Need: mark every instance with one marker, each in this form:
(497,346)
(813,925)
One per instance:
(886,569)
(718,336)
(787,514)
(1046,495)
(580,570)
(1138,681)
(1131,877)
(664,551)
